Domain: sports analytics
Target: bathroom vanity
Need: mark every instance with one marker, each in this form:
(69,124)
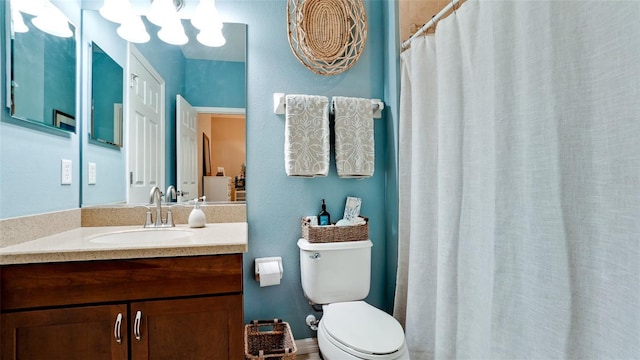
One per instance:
(130,303)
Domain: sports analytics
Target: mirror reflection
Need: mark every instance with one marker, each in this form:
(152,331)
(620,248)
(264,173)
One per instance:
(106,98)
(42,66)
(198,86)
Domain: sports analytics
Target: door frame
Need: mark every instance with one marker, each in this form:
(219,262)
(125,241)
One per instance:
(216,111)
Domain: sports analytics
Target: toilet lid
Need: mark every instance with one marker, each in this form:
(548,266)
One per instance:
(362,327)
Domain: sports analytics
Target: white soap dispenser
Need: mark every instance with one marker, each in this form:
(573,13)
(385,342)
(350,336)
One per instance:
(197,218)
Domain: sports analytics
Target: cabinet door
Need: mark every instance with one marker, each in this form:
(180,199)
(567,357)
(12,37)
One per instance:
(197,328)
(88,332)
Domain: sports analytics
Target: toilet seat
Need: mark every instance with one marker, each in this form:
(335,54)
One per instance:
(362,330)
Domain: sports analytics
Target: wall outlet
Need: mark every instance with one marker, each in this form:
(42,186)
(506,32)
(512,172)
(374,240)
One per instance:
(92,173)
(66,172)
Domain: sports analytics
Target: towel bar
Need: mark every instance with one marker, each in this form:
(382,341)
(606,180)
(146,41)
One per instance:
(279,105)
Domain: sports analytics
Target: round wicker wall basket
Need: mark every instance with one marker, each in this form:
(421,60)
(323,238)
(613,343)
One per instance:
(327,36)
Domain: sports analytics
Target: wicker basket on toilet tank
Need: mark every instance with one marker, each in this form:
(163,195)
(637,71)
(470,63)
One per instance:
(332,233)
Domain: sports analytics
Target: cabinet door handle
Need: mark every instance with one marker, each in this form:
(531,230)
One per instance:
(136,325)
(116,329)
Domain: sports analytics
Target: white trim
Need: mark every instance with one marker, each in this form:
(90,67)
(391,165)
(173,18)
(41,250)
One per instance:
(307,346)
(219,110)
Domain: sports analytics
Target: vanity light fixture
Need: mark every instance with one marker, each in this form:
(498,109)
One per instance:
(132,29)
(131,26)
(48,17)
(172,32)
(207,20)
(52,21)
(211,37)
(206,13)
(163,12)
(115,10)
(166,14)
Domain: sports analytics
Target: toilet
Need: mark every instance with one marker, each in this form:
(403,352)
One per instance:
(337,276)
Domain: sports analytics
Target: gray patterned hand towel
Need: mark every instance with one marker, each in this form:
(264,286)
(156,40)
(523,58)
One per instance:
(355,146)
(306,148)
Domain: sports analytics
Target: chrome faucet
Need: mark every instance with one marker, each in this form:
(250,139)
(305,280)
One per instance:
(155,197)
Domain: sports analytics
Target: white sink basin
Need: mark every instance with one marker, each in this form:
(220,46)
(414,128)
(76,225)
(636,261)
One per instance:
(141,236)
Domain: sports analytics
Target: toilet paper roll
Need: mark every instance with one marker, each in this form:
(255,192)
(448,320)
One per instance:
(269,273)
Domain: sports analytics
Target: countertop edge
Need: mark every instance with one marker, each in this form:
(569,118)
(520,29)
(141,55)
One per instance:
(119,254)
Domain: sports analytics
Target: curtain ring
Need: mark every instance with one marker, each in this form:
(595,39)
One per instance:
(453,6)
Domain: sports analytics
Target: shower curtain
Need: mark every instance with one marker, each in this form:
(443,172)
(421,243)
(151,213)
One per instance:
(519,174)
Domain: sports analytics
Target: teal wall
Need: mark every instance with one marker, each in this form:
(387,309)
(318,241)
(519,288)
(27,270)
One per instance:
(275,202)
(215,83)
(30,155)
(109,89)
(59,85)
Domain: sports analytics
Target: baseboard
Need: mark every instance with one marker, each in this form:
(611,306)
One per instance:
(307,346)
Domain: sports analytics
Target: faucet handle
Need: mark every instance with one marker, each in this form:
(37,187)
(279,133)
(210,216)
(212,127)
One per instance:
(147,221)
(170,222)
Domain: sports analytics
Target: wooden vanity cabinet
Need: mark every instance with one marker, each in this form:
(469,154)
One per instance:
(167,308)
(70,333)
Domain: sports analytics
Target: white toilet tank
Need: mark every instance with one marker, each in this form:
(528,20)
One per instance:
(335,272)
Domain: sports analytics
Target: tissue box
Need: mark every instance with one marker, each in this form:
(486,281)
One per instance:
(332,233)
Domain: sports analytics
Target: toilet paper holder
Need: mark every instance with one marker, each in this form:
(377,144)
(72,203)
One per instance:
(258,261)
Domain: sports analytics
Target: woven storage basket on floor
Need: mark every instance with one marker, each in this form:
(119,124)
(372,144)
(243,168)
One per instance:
(327,36)
(273,341)
(332,233)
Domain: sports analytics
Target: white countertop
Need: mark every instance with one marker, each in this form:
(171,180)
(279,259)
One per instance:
(80,244)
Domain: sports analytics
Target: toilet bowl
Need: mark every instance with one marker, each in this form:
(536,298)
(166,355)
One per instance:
(337,276)
(357,330)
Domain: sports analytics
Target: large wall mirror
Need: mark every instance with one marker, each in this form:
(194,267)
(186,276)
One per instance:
(211,79)
(42,67)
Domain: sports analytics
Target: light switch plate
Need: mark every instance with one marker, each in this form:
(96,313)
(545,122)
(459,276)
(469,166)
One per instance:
(92,173)
(66,172)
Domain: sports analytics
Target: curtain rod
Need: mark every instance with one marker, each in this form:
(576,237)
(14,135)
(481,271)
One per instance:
(430,23)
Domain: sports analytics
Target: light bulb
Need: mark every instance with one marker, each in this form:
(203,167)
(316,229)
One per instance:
(211,37)
(115,10)
(173,33)
(52,21)
(161,12)
(132,29)
(206,16)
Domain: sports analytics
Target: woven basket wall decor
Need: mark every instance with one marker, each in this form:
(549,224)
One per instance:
(327,36)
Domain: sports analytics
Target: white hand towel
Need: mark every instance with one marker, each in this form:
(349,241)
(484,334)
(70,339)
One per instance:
(306,149)
(355,146)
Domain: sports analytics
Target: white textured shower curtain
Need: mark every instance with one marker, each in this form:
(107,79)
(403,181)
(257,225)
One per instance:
(519,181)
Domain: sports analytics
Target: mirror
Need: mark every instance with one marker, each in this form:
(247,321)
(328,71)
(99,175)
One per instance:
(42,67)
(212,80)
(106,98)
